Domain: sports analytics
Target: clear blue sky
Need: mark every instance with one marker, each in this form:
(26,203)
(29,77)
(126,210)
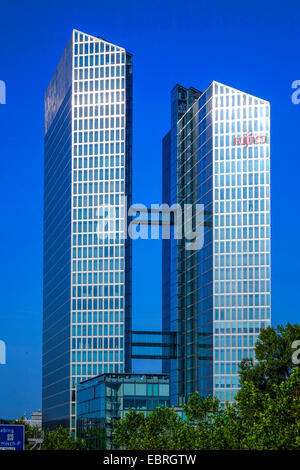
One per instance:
(250,45)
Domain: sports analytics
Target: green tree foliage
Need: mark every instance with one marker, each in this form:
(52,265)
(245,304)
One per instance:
(273,352)
(60,439)
(256,421)
(265,415)
(270,421)
(160,430)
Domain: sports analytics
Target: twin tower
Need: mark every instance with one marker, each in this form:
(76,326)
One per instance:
(216,295)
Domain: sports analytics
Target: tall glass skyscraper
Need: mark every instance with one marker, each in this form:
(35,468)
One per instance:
(217,153)
(87,260)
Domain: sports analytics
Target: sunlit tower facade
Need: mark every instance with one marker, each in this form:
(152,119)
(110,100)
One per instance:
(87,260)
(218,298)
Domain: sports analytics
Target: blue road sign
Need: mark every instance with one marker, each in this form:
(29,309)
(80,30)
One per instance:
(12,437)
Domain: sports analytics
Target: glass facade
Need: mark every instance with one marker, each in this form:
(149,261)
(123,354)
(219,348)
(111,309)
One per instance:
(87,259)
(221,293)
(153,345)
(103,400)
(57,245)
(181,100)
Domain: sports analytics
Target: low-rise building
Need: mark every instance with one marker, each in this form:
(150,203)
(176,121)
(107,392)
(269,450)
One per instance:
(103,400)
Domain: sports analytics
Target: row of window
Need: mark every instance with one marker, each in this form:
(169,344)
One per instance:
(100,85)
(245,327)
(100,123)
(233,166)
(238,300)
(232,287)
(106,214)
(239,314)
(92,278)
(94,239)
(95,265)
(96,60)
(238,220)
(98,304)
(234,340)
(242,110)
(94,342)
(233,354)
(80,37)
(114,355)
(253,205)
(226,367)
(112,290)
(113,342)
(86,150)
(99,317)
(240,259)
(99,175)
(99,110)
(94,73)
(236,260)
(247,153)
(228,381)
(242,246)
(243,98)
(92,227)
(97,200)
(90,79)
(96,47)
(102,136)
(242,179)
(239,233)
(84,99)
(228,114)
(99,252)
(250,192)
(93,163)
